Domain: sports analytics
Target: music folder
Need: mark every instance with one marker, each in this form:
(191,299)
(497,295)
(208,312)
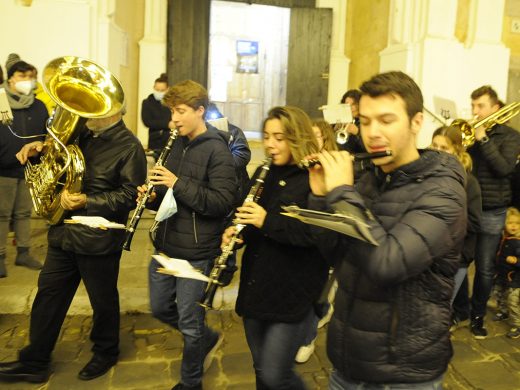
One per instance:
(352,224)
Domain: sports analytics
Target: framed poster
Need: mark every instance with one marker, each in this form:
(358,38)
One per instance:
(247,56)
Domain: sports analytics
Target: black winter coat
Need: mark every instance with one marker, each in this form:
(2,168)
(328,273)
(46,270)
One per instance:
(392,310)
(26,122)
(156,117)
(474,202)
(509,274)
(115,166)
(282,272)
(493,165)
(205,193)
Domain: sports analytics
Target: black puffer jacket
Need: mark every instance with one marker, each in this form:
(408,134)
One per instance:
(493,165)
(205,194)
(392,310)
(115,166)
(26,122)
(282,272)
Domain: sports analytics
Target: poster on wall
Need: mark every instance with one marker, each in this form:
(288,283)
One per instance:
(247,56)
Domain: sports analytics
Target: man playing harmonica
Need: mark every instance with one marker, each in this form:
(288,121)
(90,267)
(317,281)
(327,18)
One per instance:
(391,321)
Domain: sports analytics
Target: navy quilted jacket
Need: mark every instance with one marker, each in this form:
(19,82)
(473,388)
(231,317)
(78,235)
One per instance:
(392,310)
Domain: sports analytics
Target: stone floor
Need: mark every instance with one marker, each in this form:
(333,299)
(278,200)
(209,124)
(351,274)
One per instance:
(151,352)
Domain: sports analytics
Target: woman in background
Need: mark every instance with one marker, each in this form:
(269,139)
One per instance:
(449,139)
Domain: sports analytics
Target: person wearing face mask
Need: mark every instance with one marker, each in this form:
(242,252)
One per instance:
(40,93)
(156,116)
(114,164)
(29,118)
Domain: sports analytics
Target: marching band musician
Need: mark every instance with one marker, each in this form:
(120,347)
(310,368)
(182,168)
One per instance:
(494,157)
(282,272)
(115,164)
(202,179)
(390,327)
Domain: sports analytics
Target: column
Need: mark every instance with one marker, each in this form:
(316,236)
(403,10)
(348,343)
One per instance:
(339,63)
(152,55)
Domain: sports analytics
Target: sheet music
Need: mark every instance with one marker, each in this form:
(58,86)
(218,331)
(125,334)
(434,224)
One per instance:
(95,222)
(220,123)
(179,268)
(349,223)
(337,113)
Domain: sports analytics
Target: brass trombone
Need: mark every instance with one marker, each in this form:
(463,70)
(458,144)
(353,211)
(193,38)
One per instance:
(468,127)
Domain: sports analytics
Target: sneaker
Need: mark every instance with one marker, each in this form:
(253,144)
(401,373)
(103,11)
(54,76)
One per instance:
(304,353)
(513,333)
(500,316)
(26,260)
(457,322)
(477,328)
(210,355)
(326,319)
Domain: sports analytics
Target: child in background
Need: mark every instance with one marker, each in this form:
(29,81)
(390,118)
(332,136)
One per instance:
(508,275)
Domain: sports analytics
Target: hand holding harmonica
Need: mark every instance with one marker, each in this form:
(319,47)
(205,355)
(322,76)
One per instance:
(328,170)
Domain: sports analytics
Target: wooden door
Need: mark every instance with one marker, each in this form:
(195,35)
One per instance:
(188,40)
(309,56)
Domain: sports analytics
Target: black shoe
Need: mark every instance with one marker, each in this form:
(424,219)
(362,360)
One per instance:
(457,321)
(180,386)
(18,371)
(477,328)
(96,367)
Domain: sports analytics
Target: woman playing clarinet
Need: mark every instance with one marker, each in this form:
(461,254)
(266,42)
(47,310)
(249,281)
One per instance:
(282,272)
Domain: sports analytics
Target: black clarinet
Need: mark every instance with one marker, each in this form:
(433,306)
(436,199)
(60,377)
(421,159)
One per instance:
(136,216)
(221,261)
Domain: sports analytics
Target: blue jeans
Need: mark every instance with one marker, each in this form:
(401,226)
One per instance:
(174,301)
(488,239)
(458,279)
(274,346)
(338,383)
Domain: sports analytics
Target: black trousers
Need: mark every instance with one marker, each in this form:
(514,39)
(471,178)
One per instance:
(57,285)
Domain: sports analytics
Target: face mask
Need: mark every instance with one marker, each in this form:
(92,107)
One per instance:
(24,87)
(158,95)
(33,83)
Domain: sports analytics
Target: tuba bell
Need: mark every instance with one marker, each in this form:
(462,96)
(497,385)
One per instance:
(468,127)
(82,90)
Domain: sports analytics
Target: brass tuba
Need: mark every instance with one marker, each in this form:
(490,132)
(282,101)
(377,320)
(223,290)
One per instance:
(468,127)
(82,90)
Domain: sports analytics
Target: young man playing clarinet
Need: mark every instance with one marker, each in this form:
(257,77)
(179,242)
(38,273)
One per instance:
(391,322)
(201,174)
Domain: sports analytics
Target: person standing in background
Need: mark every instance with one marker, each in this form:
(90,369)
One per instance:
(494,155)
(29,119)
(157,117)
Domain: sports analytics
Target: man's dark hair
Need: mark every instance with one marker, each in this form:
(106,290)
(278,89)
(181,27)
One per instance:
(20,66)
(486,90)
(354,94)
(399,84)
(163,78)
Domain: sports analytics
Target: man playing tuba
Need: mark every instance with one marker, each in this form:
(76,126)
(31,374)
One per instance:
(114,164)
